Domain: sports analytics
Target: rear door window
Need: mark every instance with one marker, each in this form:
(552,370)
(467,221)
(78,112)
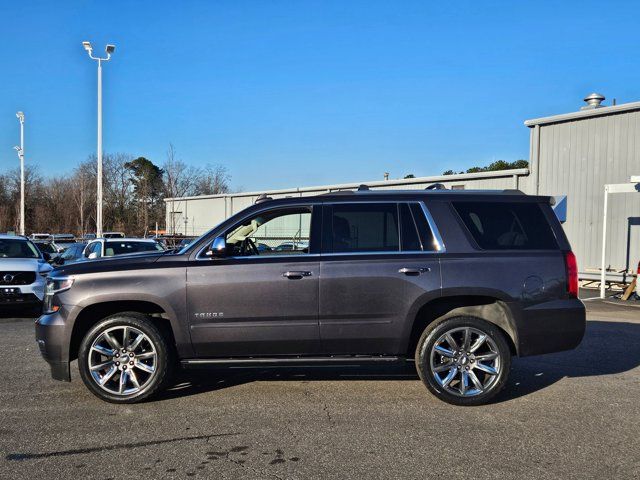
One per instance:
(507,226)
(365,227)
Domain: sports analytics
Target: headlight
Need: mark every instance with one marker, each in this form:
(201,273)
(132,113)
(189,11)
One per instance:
(55,285)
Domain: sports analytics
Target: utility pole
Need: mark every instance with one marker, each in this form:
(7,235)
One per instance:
(20,151)
(109,50)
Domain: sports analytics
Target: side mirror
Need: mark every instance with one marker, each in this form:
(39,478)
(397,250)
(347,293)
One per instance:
(218,248)
(93,255)
(58,261)
(46,256)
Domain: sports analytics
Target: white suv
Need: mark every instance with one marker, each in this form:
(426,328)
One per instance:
(23,271)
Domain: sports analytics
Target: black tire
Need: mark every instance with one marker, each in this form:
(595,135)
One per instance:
(164,361)
(433,334)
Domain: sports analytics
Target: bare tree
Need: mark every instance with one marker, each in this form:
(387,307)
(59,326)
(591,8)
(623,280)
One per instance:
(67,203)
(180,180)
(212,180)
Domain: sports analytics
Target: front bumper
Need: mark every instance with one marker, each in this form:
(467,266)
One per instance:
(52,339)
(22,295)
(34,291)
(18,299)
(551,327)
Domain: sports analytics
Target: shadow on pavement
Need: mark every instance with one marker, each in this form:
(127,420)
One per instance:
(608,348)
(20,313)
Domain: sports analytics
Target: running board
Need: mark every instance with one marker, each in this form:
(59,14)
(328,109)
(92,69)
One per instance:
(289,361)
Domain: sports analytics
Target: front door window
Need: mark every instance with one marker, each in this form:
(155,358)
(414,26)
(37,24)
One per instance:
(275,232)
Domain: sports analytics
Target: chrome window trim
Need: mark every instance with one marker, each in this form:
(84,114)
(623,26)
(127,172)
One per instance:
(406,252)
(440,248)
(439,244)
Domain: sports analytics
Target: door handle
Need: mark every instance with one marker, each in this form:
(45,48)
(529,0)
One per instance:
(295,275)
(414,271)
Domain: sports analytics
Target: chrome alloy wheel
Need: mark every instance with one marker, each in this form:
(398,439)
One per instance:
(122,360)
(465,361)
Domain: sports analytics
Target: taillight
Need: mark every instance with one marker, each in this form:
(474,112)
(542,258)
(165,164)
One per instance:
(572,274)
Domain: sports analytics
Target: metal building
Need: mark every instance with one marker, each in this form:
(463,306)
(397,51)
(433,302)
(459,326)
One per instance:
(576,154)
(192,216)
(573,154)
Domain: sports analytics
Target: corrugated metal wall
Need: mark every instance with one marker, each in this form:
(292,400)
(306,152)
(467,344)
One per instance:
(577,158)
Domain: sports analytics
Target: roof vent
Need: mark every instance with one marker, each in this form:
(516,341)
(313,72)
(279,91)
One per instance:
(593,101)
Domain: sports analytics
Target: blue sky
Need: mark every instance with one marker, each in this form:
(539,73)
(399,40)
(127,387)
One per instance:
(288,93)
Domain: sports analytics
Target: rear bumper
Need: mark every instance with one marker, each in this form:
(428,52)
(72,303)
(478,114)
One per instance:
(550,327)
(51,337)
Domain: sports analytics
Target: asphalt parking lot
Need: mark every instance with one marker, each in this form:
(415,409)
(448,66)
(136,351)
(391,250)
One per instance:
(567,415)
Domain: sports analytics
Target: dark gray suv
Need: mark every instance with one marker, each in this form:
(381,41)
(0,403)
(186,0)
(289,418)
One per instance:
(456,281)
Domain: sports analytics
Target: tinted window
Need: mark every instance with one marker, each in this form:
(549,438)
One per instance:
(365,228)
(408,232)
(426,235)
(506,226)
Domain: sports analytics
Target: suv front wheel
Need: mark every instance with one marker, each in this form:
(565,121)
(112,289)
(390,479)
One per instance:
(463,360)
(125,358)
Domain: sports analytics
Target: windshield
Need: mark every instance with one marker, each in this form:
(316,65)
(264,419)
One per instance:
(122,248)
(10,248)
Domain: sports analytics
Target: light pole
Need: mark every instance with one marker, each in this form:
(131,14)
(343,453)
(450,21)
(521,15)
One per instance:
(109,50)
(20,151)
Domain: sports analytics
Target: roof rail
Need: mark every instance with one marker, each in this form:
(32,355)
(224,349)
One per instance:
(436,186)
(339,192)
(262,198)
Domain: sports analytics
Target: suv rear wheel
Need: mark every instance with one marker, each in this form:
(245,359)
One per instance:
(125,358)
(463,360)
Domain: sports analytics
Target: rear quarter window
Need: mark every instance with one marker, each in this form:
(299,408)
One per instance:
(507,226)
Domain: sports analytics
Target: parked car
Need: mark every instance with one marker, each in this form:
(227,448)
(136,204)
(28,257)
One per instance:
(71,255)
(111,247)
(290,246)
(263,247)
(40,236)
(23,269)
(455,281)
(184,242)
(113,235)
(63,238)
(48,247)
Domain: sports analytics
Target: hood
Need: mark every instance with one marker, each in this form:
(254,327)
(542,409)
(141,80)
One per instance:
(23,264)
(112,264)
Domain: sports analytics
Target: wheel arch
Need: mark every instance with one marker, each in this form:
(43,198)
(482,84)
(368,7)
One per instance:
(91,314)
(487,307)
